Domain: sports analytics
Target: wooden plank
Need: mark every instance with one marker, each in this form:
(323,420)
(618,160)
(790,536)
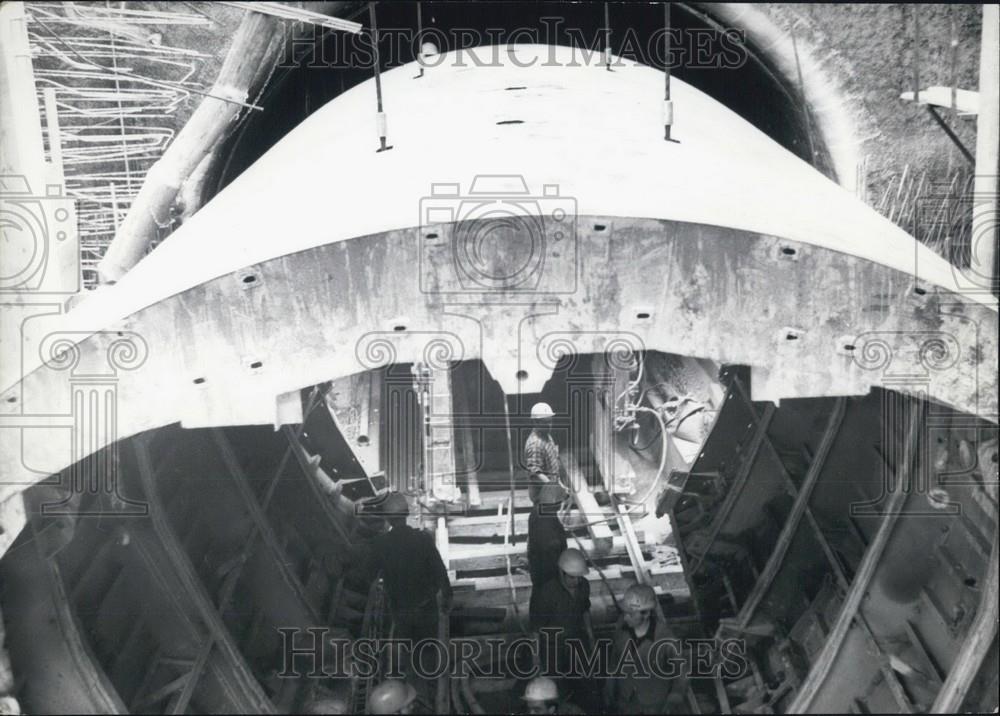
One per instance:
(493,556)
(599,531)
(487,526)
(490,499)
(601,603)
(523,581)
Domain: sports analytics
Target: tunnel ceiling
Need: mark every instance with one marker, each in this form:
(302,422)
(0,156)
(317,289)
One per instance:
(336,62)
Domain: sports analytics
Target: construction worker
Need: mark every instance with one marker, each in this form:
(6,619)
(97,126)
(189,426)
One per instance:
(541,454)
(542,697)
(546,534)
(392,696)
(563,604)
(327,705)
(416,580)
(642,624)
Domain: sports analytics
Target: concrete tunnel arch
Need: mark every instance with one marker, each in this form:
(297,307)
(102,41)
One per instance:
(808,108)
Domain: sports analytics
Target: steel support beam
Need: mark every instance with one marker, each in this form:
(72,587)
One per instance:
(820,670)
(739,483)
(800,506)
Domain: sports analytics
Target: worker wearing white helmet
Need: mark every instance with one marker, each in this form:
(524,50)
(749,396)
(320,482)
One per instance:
(541,454)
(416,580)
(542,697)
(327,705)
(563,605)
(392,696)
(638,632)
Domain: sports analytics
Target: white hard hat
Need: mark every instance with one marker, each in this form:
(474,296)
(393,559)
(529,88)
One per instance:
(572,562)
(328,705)
(639,597)
(540,411)
(541,688)
(391,697)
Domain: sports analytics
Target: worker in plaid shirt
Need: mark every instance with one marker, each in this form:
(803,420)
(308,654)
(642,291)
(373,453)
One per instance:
(541,454)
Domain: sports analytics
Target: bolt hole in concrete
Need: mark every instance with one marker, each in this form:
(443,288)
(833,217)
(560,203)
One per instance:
(849,347)
(198,381)
(256,364)
(970,582)
(642,316)
(791,337)
(521,375)
(362,440)
(12,399)
(920,291)
(511,121)
(249,279)
(599,227)
(508,89)
(787,251)
(399,329)
(430,236)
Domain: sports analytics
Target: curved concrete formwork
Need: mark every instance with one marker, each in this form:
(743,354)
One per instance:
(314,265)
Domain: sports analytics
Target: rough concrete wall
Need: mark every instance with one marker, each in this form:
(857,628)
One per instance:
(871,50)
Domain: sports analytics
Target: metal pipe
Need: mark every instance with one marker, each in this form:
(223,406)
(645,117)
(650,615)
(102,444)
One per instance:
(951,134)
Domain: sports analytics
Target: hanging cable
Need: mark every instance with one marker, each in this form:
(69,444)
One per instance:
(641,360)
(663,453)
(380,121)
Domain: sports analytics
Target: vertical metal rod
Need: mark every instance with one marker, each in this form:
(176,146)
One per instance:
(607,39)
(380,118)
(510,464)
(668,118)
(420,34)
